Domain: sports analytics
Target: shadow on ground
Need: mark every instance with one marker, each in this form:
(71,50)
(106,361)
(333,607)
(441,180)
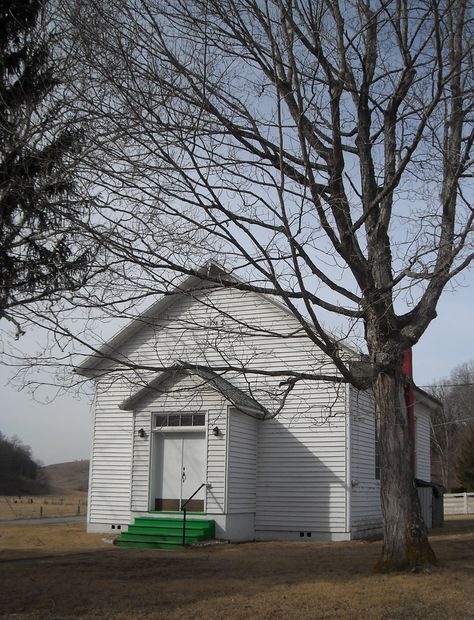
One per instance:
(303,580)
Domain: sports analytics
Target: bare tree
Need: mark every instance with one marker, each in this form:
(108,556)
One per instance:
(450,424)
(465,464)
(322,149)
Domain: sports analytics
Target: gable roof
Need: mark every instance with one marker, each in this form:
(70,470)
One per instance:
(427,399)
(110,349)
(237,397)
(197,282)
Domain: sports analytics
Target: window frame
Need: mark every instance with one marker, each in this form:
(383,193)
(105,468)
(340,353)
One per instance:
(178,415)
(377,465)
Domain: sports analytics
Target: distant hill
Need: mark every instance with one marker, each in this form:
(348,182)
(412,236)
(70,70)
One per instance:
(19,472)
(71,476)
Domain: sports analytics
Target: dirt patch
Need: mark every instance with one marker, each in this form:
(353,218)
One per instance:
(304,580)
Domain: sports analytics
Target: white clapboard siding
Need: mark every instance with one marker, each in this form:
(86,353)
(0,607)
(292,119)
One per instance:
(216,452)
(423,442)
(140,500)
(193,330)
(301,466)
(242,463)
(302,453)
(110,475)
(365,510)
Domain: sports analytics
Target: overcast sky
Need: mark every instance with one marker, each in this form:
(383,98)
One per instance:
(62,430)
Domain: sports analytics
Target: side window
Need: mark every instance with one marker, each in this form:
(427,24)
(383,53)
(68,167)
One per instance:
(377,450)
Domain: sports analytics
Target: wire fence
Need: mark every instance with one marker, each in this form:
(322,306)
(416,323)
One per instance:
(33,507)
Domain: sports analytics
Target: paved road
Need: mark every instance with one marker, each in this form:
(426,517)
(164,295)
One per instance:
(43,521)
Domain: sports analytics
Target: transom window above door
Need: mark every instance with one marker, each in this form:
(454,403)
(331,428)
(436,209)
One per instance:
(179,419)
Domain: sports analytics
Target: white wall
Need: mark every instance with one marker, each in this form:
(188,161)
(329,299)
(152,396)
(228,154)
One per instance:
(301,454)
(301,465)
(199,328)
(366,513)
(423,441)
(110,471)
(241,475)
(242,463)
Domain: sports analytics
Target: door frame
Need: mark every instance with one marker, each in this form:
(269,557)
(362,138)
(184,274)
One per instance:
(172,430)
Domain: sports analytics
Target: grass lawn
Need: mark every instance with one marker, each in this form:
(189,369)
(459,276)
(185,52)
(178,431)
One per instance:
(58,571)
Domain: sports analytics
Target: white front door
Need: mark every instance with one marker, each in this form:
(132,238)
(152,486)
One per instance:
(180,468)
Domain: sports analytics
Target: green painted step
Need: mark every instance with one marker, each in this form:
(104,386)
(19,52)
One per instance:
(167,533)
(126,537)
(168,529)
(157,522)
(174,514)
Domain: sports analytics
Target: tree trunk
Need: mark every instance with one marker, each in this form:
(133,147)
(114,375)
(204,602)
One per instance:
(405,535)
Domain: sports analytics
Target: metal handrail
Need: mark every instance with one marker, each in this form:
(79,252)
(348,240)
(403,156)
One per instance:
(183,509)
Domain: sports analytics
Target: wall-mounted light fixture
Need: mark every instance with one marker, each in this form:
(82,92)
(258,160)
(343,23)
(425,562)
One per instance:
(216,431)
(141,433)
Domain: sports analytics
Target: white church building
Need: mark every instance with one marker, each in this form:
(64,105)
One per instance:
(262,463)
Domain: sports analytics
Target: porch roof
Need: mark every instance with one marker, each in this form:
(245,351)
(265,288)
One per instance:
(236,396)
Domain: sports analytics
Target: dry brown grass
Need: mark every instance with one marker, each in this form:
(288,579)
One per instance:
(19,542)
(301,580)
(72,475)
(36,506)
